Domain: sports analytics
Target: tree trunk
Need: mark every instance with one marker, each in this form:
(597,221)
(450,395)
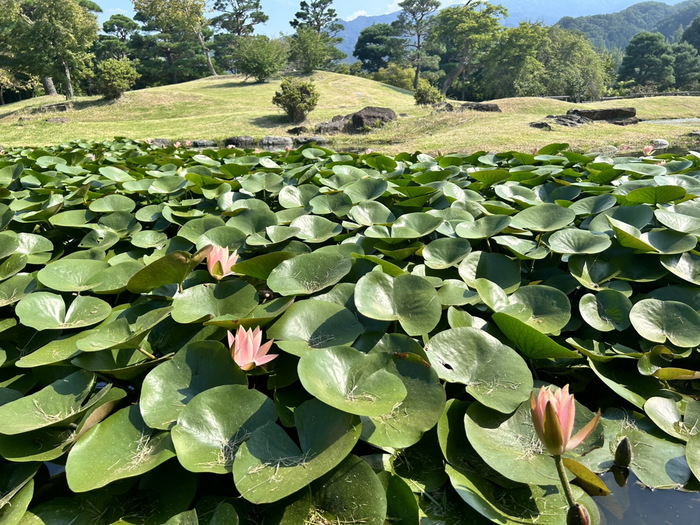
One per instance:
(206,53)
(49,88)
(454,74)
(2,96)
(69,85)
(419,58)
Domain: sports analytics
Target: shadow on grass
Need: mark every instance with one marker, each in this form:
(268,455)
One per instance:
(272,121)
(85,104)
(232,84)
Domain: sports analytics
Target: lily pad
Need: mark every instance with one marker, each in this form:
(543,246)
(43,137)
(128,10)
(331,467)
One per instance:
(47,311)
(658,321)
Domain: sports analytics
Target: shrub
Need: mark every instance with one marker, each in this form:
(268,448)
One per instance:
(259,57)
(296,97)
(427,95)
(115,76)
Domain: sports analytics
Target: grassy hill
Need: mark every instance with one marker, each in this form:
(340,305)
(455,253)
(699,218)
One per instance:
(216,108)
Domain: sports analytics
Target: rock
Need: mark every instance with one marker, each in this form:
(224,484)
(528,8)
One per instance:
(609,151)
(570,121)
(53,108)
(330,128)
(604,114)
(273,142)
(660,144)
(625,121)
(478,106)
(162,143)
(298,130)
(338,118)
(695,134)
(541,125)
(320,141)
(203,143)
(368,118)
(241,141)
(23,119)
(443,106)
(58,120)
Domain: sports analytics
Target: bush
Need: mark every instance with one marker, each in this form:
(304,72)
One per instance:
(259,57)
(427,95)
(115,76)
(296,97)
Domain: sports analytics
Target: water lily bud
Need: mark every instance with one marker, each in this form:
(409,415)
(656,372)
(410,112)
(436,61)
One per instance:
(623,453)
(578,515)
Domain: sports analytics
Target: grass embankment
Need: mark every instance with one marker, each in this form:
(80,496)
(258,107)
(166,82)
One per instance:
(216,108)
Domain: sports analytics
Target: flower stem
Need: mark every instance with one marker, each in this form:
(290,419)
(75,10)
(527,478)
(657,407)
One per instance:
(564,481)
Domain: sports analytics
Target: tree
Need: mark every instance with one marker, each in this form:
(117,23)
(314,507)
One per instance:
(48,38)
(648,60)
(239,17)
(258,56)
(692,34)
(686,66)
(296,97)
(186,13)
(414,22)
(317,15)
(114,77)
(114,44)
(378,45)
(465,33)
(310,50)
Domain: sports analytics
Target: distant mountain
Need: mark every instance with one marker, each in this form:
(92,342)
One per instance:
(546,11)
(615,30)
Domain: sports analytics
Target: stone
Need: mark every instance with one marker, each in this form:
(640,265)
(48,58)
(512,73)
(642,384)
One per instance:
(273,142)
(330,128)
(320,141)
(53,108)
(162,143)
(625,121)
(241,141)
(338,118)
(203,143)
(604,114)
(369,118)
(58,120)
(541,125)
(299,130)
(478,106)
(695,134)
(570,121)
(660,144)
(443,106)
(609,151)
(23,119)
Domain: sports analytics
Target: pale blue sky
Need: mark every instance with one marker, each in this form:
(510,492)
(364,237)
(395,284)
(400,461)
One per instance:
(279,11)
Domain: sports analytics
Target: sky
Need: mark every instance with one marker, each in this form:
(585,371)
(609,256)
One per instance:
(279,11)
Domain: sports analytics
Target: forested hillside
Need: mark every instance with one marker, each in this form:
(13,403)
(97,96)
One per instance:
(615,30)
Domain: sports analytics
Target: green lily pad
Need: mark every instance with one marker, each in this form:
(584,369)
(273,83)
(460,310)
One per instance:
(658,321)
(351,381)
(197,367)
(573,240)
(655,194)
(469,356)
(494,267)
(369,213)
(309,273)
(121,446)
(169,269)
(446,252)
(60,402)
(69,275)
(351,492)
(528,340)
(606,311)
(270,466)
(685,265)
(409,299)
(542,307)
(414,225)
(47,311)
(206,301)
(543,218)
(315,229)
(365,189)
(215,422)
(484,227)
(112,203)
(16,288)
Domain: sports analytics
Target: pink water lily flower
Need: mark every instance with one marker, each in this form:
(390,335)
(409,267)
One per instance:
(553,414)
(246,349)
(219,262)
(648,150)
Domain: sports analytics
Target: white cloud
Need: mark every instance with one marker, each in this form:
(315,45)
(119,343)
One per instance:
(353,16)
(117,11)
(394,6)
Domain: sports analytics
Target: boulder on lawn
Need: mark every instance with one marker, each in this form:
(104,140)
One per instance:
(541,125)
(479,106)
(604,114)
(241,141)
(369,118)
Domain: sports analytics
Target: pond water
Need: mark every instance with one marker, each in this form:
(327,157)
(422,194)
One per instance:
(633,504)
(675,121)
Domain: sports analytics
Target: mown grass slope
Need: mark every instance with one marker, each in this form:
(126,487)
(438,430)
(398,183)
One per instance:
(216,108)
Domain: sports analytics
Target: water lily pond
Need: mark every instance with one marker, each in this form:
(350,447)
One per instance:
(312,337)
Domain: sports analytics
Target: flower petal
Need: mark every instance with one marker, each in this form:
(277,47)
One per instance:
(582,434)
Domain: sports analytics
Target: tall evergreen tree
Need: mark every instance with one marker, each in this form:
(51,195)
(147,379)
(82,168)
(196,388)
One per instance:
(648,61)
(692,34)
(415,22)
(378,45)
(686,66)
(239,17)
(317,15)
(184,13)
(313,46)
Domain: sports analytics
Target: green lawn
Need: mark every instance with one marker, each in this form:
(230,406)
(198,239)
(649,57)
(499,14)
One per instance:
(216,108)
